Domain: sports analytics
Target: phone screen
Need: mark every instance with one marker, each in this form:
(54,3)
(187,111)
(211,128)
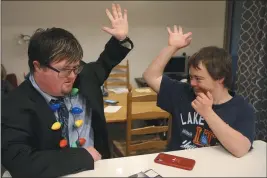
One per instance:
(111,101)
(151,173)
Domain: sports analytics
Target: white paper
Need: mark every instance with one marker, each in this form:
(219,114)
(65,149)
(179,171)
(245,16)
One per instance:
(111,109)
(143,90)
(119,90)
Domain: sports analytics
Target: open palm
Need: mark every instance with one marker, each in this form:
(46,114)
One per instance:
(177,38)
(118,21)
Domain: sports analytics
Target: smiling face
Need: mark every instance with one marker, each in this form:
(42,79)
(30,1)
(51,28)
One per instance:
(54,60)
(53,82)
(210,69)
(201,81)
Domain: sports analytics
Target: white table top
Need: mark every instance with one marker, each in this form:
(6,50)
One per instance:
(210,161)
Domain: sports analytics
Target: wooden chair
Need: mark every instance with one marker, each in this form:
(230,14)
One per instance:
(12,78)
(118,79)
(150,142)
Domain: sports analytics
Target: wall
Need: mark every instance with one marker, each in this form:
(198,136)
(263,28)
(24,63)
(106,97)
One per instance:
(147,20)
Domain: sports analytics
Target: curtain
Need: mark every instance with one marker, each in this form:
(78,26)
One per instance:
(251,80)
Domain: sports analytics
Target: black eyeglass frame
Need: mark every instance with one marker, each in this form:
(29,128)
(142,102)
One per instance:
(76,70)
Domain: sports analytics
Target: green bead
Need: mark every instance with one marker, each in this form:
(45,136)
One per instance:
(74,145)
(74,91)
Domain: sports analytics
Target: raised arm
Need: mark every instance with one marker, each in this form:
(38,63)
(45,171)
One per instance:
(117,47)
(177,40)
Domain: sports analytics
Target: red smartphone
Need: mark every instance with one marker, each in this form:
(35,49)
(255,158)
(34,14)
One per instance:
(175,161)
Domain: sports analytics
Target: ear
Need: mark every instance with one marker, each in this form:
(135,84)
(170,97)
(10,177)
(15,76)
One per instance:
(221,81)
(37,66)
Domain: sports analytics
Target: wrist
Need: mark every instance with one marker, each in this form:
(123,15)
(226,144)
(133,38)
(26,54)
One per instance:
(173,49)
(124,40)
(209,114)
(121,38)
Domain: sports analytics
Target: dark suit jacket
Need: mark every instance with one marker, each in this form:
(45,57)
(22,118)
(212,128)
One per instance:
(30,148)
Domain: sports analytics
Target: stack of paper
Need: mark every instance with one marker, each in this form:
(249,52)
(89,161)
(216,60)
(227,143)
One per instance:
(119,90)
(111,109)
(143,90)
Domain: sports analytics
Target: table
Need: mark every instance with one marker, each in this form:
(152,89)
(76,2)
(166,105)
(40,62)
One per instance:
(251,165)
(121,115)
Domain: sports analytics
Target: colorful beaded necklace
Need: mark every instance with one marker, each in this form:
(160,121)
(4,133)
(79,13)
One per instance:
(75,111)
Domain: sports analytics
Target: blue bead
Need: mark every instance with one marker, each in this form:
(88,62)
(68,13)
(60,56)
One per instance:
(55,107)
(204,139)
(76,110)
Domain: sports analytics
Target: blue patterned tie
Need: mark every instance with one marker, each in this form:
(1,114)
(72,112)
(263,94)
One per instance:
(63,116)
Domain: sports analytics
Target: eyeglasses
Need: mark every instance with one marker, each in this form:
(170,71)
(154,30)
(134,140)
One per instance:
(66,72)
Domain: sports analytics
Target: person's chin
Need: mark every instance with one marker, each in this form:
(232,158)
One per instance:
(66,91)
(68,88)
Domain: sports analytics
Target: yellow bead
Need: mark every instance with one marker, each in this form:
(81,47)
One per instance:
(78,123)
(56,126)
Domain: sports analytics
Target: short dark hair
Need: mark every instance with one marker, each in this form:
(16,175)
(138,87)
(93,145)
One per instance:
(217,61)
(53,44)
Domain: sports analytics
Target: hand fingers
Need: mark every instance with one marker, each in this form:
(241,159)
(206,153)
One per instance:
(199,99)
(109,15)
(206,96)
(108,30)
(195,103)
(125,16)
(189,40)
(209,95)
(175,29)
(119,11)
(98,155)
(169,30)
(114,11)
(188,35)
(180,30)
(202,95)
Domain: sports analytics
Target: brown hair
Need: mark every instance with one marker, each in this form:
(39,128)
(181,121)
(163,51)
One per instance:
(53,44)
(217,61)
(3,72)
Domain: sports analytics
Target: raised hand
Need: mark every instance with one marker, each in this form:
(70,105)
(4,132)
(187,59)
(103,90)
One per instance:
(203,104)
(177,38)
(119,22)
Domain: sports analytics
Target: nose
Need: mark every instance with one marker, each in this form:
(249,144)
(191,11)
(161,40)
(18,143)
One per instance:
(72,74)
(193,82)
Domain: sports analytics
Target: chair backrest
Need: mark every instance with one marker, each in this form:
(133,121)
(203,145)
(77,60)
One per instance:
(119,77)
(148,115)
(12,78)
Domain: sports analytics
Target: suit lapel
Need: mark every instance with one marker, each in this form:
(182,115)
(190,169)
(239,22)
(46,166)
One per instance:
(46,115)
(89,90)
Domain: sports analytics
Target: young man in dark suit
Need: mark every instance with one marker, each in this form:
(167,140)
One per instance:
(53,124)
